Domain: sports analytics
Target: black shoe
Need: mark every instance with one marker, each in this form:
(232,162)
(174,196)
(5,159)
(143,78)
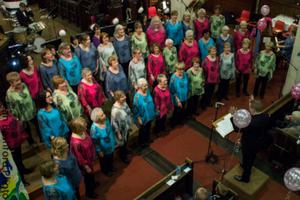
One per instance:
(125,160)
(108,174)
(92,196)
(241,179)
(246,94)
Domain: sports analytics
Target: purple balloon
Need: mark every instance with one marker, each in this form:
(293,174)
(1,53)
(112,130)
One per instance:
(241,118)
(296,91)
(292,179)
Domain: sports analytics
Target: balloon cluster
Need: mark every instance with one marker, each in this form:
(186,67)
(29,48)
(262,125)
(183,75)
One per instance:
(292,179)
(296,91)
(241,118)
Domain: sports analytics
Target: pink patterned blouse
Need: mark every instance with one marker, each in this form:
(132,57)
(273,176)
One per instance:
(187,53)
(83,150)
(200,27)
(90,95)
(162,101)
(158,37)
(211,70)
(155,66)
(33,82)
(243,61)
(238,38)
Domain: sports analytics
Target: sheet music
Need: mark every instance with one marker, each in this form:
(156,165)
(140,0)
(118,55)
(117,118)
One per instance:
(224,127)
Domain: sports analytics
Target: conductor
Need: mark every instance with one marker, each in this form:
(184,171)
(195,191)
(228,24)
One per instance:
(24,15)
(251,137)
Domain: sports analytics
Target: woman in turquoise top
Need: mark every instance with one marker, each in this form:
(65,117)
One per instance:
(104,139)
(69,66)
(174,29)
(51,122)
(179,92)
(55,187)
(264,68)
(204,44)
(143,111)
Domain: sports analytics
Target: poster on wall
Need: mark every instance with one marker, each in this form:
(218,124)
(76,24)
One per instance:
(11,186)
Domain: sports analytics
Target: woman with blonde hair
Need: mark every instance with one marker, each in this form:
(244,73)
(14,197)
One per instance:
(139,40)
(156,32)
(136,68)
(240,34)
(187,23)
(121,122)
(201,23)
(174,29)
(188,50)
(122,46)
(82,147)
(66,162)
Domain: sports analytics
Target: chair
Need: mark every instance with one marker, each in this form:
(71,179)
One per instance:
(245,16)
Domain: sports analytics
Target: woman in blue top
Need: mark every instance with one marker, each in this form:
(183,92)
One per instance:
(225,37)
(87,54)
(174,29)
(55,187)
(115,78)
(122,45)
(204,44)
(179,92)
(67,163)
(104,139)
(143,111)
(69,66)
(50,120)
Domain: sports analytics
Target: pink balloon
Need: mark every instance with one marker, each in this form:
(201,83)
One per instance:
(296,91)
(292,179)
(241,118)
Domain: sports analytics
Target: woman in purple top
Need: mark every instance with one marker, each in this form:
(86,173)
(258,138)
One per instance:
(162,101)
(90,93)
(201,23)
(115,78)
(188,50)
(156,32)
(87,54)
(96,37)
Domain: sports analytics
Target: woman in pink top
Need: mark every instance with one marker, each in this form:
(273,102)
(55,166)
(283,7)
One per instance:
(243,64)
(90,93)
(162,101)
(156,64)
(201,23)
(156,32)
(211,65)
(82,147)
(240,35)
(30,76)
(188,50)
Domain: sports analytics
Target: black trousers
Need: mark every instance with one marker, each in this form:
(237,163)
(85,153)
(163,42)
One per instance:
(179,114)
(144,133)
(192,105)
(260,86)
(223,89)
(209,91)
(106,163)
(89,183)
(125,68)
(249,155)
(123,152)
(239,78)
(160,124)
(29,131)
(17,156)
(74,88)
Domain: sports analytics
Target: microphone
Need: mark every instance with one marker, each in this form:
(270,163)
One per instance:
(218,104)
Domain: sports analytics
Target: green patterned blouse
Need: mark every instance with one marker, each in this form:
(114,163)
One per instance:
(216,25)
(196,82)
(69,104)
(170,57)
(141,43)
(21,104)
(265,64)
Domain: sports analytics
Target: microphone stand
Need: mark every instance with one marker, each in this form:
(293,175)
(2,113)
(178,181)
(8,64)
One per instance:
(210,156)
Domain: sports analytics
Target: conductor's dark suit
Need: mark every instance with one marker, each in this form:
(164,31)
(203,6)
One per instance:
(24,17)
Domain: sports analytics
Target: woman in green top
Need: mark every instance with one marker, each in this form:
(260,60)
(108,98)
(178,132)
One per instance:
(196,86)
(264,68)
(138,40)
(217,21)
(170,57)
(65,99)
(21,104)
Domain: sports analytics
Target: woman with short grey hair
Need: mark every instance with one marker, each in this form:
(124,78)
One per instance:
(188,50)
(143,111)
